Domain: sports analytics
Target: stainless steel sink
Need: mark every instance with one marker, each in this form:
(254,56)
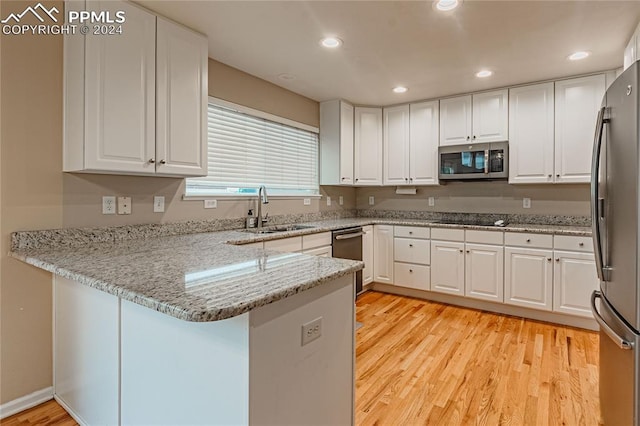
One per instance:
(276,229)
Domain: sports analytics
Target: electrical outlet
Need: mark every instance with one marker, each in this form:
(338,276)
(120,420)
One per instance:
(372,200)
(311,331)
(109,204)
(158,204)
(328,200)
(526,203)
(210,204)
(124,205)
(431,201)
(341,200)
(307,201)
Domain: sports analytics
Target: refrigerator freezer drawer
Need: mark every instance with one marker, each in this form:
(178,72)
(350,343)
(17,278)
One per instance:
(619,364)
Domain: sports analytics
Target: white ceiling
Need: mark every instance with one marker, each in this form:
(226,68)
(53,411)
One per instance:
(389,43)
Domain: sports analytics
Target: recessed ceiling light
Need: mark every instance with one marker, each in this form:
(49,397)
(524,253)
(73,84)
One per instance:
(286,76)
(484,73)
(576,56)
(446,5)
(331,42)
(400,89)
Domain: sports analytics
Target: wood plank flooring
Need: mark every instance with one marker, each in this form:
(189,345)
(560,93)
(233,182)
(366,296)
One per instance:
(425,363)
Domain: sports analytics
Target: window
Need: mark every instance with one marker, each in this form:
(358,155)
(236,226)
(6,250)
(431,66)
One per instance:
(246,151)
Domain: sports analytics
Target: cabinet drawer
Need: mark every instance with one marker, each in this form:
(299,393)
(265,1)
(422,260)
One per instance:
(412,276)
(316,240)
(319,251)
(412,251)
(411,232)
(285,244)
(523,239)
(447,234)
(484,237)
(567,242)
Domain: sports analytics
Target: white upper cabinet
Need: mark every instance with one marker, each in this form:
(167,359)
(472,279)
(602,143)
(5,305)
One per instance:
(531,134)
(423,143)
(181,79)
(577,103)
(455,120)
(481,117)
(135,103)
(336,143)
(368,146)
(490,116)
(396,145)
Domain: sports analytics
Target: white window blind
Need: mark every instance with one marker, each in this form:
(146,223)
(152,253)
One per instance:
(245,152)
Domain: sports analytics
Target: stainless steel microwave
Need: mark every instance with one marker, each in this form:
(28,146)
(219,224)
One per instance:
(474,161)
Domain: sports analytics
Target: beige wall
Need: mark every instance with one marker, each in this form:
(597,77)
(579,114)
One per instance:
(31,182)
(483,197)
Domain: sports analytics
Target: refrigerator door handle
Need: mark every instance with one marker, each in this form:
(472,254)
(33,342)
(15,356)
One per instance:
(597,204)
(620,341)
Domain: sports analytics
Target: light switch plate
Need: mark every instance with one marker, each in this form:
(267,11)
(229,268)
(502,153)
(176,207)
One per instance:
(431,201)
(124,205)
(526,203)
(328,200)
(109,204)
(307,201)
(210,204)
(372,200)
(341,200)
(158,204)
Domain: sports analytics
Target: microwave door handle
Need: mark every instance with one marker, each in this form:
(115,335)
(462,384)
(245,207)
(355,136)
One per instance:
(597,204)
(486,161)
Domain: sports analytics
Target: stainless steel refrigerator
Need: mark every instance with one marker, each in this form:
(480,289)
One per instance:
(615,212)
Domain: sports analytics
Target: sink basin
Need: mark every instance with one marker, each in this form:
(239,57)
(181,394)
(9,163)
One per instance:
(276,229)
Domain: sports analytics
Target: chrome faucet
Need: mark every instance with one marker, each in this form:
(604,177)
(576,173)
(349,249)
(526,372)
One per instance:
(262,199)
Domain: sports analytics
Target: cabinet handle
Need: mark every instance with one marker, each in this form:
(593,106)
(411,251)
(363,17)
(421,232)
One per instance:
(410,232)
(557,259)
(550,175)
(528,240)
(410,245)
(468,138)
(411,271)
(461,250)
(474,137)
(410,179)
(345,178)
(406,179)
(151,160)
(558,175)
(548,259)
(468,251)
(356,179)
(581,244)
(163,162)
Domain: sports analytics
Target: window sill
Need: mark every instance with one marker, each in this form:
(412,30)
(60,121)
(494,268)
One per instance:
(236,197)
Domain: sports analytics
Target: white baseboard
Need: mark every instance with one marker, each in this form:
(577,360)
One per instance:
(68,409)
(25,402)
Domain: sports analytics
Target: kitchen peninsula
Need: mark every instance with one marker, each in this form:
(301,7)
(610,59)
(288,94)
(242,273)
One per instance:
(186,329)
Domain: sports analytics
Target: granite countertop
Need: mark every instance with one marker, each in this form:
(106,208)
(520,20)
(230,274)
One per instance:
(205,276)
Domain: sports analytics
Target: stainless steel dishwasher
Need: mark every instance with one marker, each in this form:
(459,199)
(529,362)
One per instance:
(347,244)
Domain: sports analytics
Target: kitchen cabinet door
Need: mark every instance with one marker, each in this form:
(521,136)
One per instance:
(368,146)
(531,134)
(528,277)
(455,120)
(484,272)
(423,143)
(577,103)
(367,254)
(181,114)
(383,253)
(490,116)
(119,95)
(396,145)
(447,267)
(336,143)
(574,279)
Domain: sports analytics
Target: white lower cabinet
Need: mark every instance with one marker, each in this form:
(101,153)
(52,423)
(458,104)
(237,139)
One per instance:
(325,251)
(412,256)
(484,272)
(528,277)
(367,254)
(411,275)
(383,253)
(447,267)
(291,244)
(574,280)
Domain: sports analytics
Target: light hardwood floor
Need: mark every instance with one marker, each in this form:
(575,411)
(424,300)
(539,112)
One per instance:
(426,363)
